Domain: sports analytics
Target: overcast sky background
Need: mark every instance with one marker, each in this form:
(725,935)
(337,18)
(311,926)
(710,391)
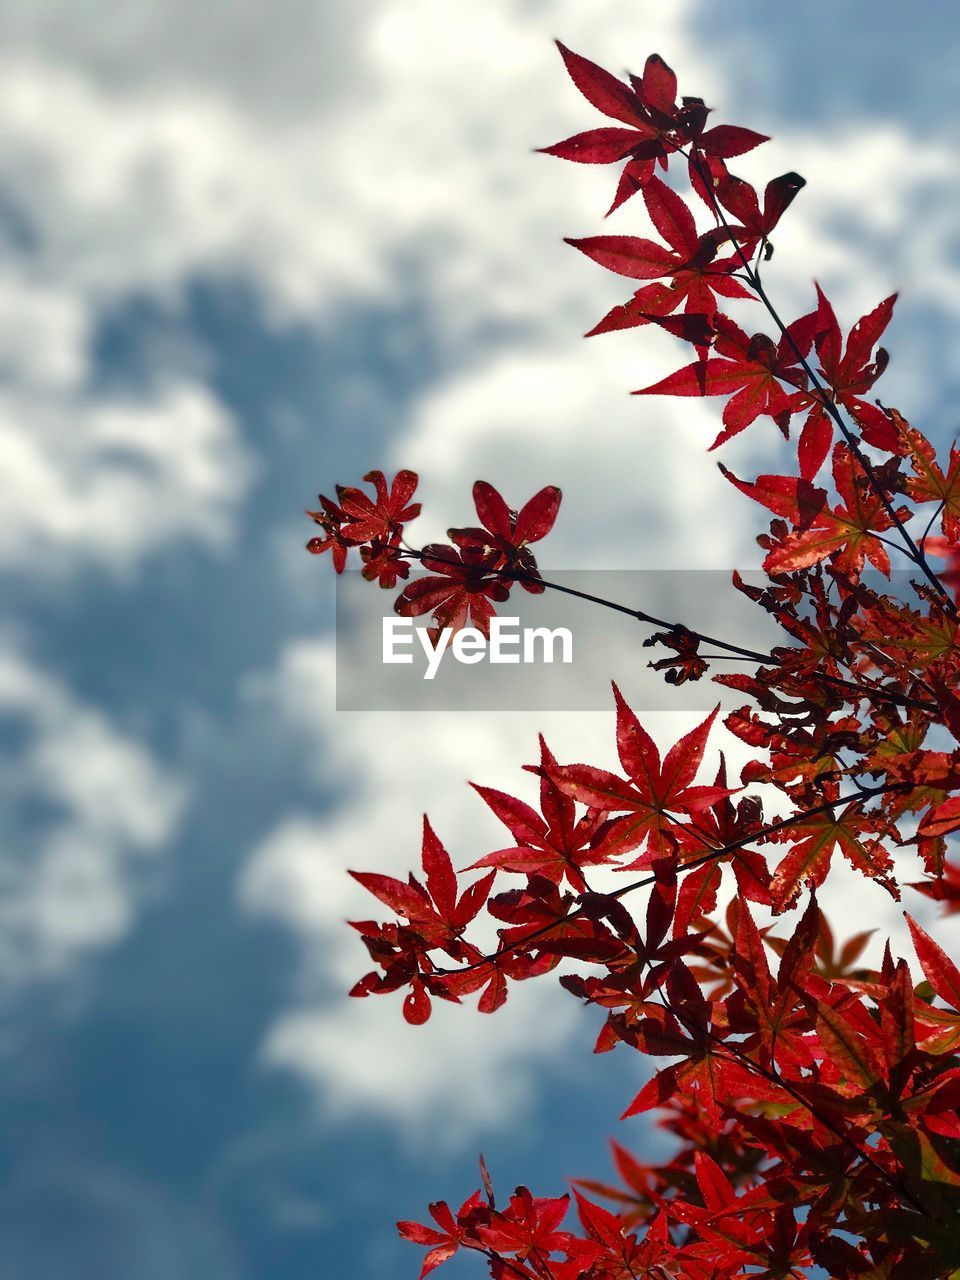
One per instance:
(247,251)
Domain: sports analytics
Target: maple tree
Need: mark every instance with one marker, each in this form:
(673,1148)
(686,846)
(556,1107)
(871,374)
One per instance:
(814,1100)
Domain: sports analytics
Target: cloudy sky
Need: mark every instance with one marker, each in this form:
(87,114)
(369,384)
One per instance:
(247,251)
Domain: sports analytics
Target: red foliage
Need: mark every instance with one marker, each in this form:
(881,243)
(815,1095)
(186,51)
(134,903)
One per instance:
(815,1102)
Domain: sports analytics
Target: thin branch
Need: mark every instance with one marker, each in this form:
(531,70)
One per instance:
(518,575)
(930,523)
(732,650)
(874,691)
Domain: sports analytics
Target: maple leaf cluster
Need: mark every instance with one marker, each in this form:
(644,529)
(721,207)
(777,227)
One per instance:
(372,526)
(467,577)
(814,1100)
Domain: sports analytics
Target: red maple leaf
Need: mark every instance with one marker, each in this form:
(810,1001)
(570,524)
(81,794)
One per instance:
(850,372)
(697,277)
(723,824)
(749,370)
(460,591)
(939,970)
(812,844)
(847,533)
(330,518)
(949,550)
(508,533)
(945,889)
(434,907)
(529,1225)
(383,561)
(359,519)
(656,126)
(653,794)
(740,198)
(437,917)
(382,515)
(558,844)
(453,1233)
(930,483)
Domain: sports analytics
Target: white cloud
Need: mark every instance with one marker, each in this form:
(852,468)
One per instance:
(462,1073)
(111,478)
(87,475)
(139,163)
(264,64)
(44,333)
(90,801)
